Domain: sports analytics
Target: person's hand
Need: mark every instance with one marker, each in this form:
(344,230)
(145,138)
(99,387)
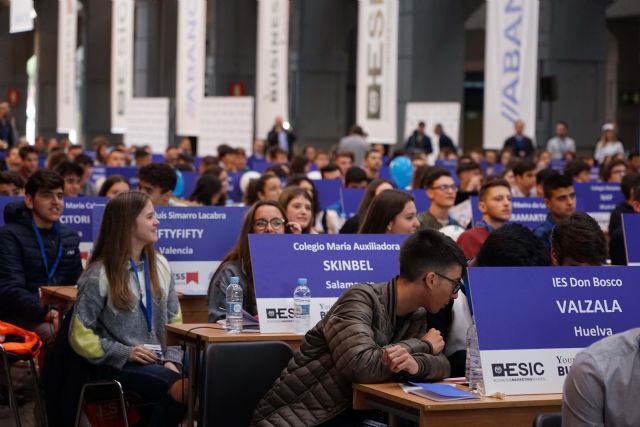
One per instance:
(294,227)
(398,359)
(171,366)
(475,183)
(434,337)
(3,144)
(141,354)
(53,317)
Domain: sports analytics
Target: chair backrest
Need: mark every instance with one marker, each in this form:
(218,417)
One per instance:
(236,376)
(103,404)
(548,419)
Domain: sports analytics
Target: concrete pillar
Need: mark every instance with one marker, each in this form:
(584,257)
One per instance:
(573,54)
(46,48)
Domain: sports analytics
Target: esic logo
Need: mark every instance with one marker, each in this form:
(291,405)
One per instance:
(187,277)
(279,313)
(517,369)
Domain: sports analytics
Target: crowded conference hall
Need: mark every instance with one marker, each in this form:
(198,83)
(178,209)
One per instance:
(283,213)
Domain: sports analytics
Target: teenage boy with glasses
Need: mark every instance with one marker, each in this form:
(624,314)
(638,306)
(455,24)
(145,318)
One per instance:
(441,190)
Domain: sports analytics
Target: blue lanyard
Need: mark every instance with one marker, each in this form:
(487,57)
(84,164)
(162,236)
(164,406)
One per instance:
(43,253)
(148,309)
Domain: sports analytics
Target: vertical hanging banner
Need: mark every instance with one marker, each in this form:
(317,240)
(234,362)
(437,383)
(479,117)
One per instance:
(121,61)
(511,68)
(272,70)
(190,65)
(20,18)
(377,82)
(66,89)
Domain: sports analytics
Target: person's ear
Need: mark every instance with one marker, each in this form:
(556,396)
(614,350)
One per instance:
(482,207)
(28,201)
(554,257)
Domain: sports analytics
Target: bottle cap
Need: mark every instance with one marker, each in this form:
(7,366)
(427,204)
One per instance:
(234,280)
(302,281)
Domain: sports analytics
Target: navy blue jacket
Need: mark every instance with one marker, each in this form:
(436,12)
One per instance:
(22,271)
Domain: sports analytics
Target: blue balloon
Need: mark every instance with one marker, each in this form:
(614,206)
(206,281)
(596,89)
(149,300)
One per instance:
(179,184)
(401,171)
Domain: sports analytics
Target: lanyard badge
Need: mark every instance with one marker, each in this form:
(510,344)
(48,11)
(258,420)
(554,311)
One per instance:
(147,309)
(43,252)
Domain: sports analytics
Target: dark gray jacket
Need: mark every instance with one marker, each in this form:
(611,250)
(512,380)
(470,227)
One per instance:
(347,347)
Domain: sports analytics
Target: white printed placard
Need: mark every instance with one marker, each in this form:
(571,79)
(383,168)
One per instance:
(272,68)
(511,68)
(66,82)
(225,120)
(377,69)
(122,23)
(147,123)
(21,18)
(190,65)
(445,113)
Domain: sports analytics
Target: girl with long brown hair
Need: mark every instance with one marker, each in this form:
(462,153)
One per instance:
(126,296)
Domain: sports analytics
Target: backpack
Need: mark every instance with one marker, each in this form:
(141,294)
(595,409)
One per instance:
(19,341)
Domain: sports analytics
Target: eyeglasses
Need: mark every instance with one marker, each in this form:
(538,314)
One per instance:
(261,224)
(444,188)
(457,283)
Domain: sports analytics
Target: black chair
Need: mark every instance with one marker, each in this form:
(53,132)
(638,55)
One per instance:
(236,376)
(548,419)
(7,359)
(108,402)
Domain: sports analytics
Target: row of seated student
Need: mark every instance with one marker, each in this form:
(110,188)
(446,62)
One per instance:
(109,343)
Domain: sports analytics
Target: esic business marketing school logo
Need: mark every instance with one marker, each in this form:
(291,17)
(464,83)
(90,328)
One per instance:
(187,278)
(509,372)
(280,313)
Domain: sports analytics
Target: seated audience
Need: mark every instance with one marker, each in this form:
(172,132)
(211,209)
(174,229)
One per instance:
(355,177)
(390,212)
(441,190)
(494,202)
(540,177)
(524,173)
(374,333)
(11,184)
(560,199)
(374,188)
(208,191)
(470,176)
(578,171)
(298,207)
(617,250)
(71,173)
(36,250)
(601,388)
(86,162)
(116,319)
(264,217)
(578,241)
(114,185)
(158,180)
(614,171)
(629,181)
(608,145)
(372,164)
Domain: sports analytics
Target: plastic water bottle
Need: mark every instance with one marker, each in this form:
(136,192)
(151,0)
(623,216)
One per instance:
(474,366)
(301,307)
(234,306)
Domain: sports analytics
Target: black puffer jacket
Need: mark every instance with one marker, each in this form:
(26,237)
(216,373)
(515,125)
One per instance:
(22,271)
(347,347)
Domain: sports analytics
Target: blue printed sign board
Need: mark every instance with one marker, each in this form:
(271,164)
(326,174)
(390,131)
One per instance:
(631,230)
(527,211)
(98,174)
(557,165)
(595,174)
(129,172)
(235,192)
(328,192)
(598,199)
(351,198)
(451,166)
(189,180)
(330,263)
(421,200)
(157,158)
(194,240)
(532,321)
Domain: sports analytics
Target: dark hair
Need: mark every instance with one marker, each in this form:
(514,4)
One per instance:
(562,122)
(209,161)
(331,167)
(348,154)
(290,193)
(419,175)
(491,183)
(512,245)
(608,167)
(83,160)
(575,168)
(43,180)
(207,186)
(256,186)
(10,177)
(383,209)
(555,182)
(274,151)
(240,252)
(467,167)
(110,182)
(544,174)
(160,175)
(299,163)
(224,149)
(66,167)
(428,250)
(433,175)
(369,152)
(295,181)
(26,150)
(354,174)
(629,181)
(55,158)
(369,194)
(141,153)
(580,237)
(278,170)
(523,166)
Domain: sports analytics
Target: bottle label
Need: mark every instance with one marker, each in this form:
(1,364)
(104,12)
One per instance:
(302,309)
(234,307)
